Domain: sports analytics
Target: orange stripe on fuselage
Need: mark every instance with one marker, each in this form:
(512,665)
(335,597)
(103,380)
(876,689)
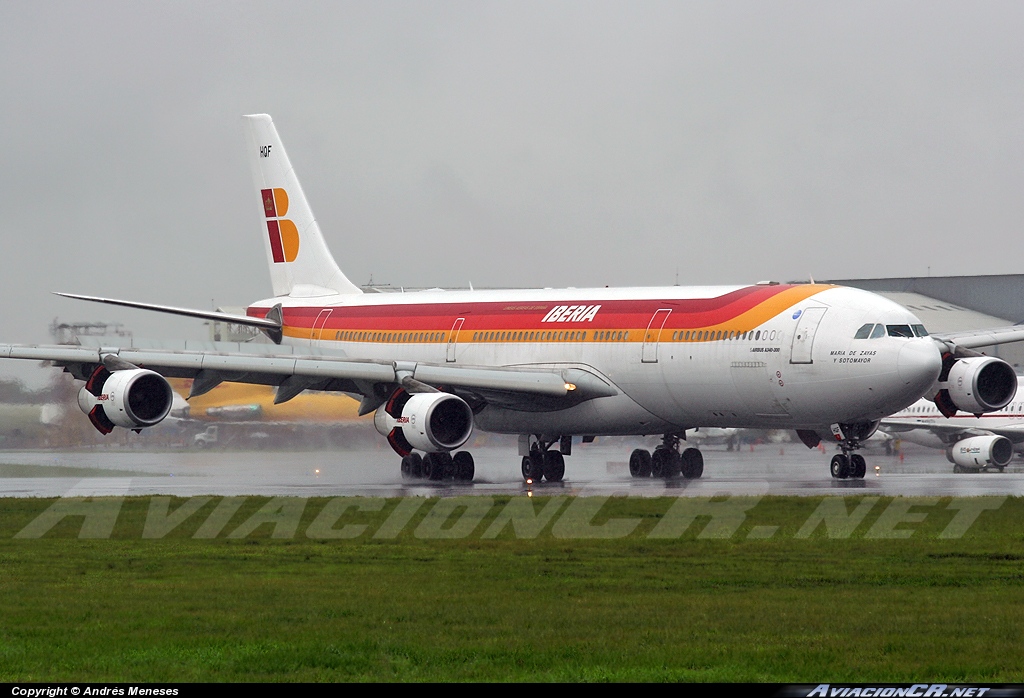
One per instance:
(739,311)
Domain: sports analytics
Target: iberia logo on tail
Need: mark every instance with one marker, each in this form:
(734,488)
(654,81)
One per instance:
(284,236)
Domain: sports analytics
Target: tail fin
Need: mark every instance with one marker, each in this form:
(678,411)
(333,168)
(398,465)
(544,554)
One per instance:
(300,263)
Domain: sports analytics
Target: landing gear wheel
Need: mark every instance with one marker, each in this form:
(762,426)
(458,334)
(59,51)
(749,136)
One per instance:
(858,466)
(675,464)
(407,467)
(464,466)
(840,466)
(692,463)
(659,463)
(412,466)
(434,465)
(640,463)
(448,466)
(533,466)
(554,466)
(665,463)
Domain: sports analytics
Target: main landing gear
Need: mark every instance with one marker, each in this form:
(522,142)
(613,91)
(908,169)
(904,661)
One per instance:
(542,462)
(439,466)
(667,461)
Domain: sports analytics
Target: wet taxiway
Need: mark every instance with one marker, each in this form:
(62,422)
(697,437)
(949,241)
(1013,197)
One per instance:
(787,469)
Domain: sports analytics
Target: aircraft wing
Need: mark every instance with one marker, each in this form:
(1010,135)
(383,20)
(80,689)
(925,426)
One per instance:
(211,363)
(951,432)
(972,339)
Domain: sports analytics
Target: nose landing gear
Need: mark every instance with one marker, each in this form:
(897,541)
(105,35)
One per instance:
(850,465)
(845,465)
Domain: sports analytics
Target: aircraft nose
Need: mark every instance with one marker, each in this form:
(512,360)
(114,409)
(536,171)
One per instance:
(919,364)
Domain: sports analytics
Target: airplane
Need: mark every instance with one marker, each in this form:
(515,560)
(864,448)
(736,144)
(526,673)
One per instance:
(238,401)
(972,443)
(546,365)
(707,436)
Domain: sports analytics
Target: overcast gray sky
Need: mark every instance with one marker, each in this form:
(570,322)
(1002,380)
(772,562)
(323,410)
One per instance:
(504,143)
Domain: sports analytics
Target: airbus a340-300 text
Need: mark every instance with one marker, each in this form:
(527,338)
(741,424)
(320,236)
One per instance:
(547,365)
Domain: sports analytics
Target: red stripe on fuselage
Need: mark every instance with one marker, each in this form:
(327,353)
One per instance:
(525,315)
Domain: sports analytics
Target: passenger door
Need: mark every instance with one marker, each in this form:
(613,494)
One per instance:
(803,336)
(649,353)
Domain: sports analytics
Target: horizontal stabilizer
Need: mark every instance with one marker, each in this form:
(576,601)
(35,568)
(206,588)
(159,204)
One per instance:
(271,326)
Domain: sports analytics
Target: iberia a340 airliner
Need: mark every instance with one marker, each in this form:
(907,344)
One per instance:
(827,361)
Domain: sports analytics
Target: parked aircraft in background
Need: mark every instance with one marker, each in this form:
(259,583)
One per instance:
(714,436)
(827,361)
(971,443)
(247,402)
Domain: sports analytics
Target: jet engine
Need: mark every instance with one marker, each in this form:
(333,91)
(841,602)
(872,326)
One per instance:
(430,422)
(133,399)
(981,451)
(976,384)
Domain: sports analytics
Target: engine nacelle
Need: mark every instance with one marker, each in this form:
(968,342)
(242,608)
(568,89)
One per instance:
(980,451)
(133,399)
(980,384)
(430,422)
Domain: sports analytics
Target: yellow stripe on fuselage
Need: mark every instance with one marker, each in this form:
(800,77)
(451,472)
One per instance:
(744,322)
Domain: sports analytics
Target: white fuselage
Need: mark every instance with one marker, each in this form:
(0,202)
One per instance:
(761,357)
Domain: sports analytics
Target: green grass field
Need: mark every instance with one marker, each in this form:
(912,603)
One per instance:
(442,590)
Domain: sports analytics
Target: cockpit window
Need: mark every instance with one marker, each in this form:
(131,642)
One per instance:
(874,331)
(899,330)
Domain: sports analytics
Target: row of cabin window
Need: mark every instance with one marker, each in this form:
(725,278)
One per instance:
(618,336)
(401,337)
(599,336)
(354,336)
(552,336)
(925,409)
(713,336)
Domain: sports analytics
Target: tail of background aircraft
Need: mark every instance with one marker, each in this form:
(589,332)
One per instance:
(300,263)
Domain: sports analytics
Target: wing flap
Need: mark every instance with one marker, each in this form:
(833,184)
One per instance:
(506,380)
